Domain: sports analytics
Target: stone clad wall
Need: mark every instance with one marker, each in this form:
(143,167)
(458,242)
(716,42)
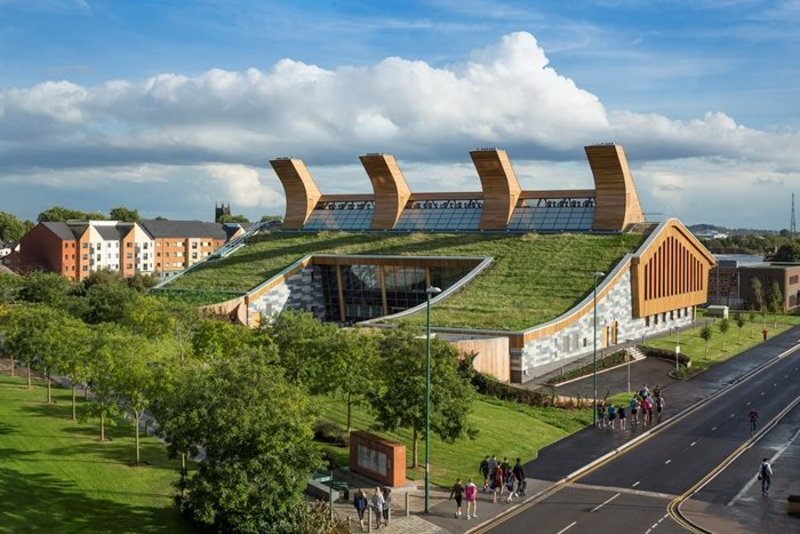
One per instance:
(546,354)
(301,291)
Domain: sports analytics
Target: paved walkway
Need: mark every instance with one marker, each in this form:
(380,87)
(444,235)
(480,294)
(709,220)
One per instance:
(577,450)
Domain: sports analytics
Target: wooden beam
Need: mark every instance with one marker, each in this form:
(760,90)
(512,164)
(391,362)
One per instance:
(391,190)
(500,186)
(302,193)
(617,203)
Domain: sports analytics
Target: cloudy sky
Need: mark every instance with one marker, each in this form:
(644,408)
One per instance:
(168,106)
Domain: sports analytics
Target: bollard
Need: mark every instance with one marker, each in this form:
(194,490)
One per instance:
(408,508)
(369,519)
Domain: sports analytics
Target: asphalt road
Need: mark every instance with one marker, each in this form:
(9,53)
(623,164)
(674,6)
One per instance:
(644,479)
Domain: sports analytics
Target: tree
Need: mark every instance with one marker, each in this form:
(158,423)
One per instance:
(124,214)
(213,339)
(400,404)
(758,294)
(241,219)
(108,341)
(353,367)
(135,381)
(51,289)
(788,252)
(305,348)
(256,432)
(61,214)
(774,300)
(706,334)
(271,218)
(74,360)
(739,320)
(108,302)
(10,285)
(724,326)
(11,228)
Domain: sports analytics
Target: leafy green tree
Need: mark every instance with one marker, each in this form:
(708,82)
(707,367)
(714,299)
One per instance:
(269,218)
(305,348)
(10,285)
(213,339)
(241,219)
(11,228)
(353,367)
(108,341)
(124,214)
(724,326)
(31,334)
(74,360)
(401,404)
(739,320)
(256,432)
(705,334)
(51,289)
(774,301)
(758,294)
(135,381)
(61,214)
(108,302)
(788,252)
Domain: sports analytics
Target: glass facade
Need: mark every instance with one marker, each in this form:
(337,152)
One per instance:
(441,215)
(553,215)
(362,295)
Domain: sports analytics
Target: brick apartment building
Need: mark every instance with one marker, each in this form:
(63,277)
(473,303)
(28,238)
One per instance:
(731,282)
(163,248)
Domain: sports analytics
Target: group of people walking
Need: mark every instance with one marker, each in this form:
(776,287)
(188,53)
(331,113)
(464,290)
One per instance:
(643,404)
(498,477)
(380,502)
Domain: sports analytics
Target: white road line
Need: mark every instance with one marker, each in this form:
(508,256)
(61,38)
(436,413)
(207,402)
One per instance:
(648,531)
(775,385)
(567,527)
(772,460)
(668,461)
(713,429)
(762,393)
(596,508)
(654,525)
(692,444)
(733,415)
(636,483)
(748,404)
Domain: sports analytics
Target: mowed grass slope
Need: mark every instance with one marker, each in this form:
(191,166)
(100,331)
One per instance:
(504,428)
(535,277)
(56,477)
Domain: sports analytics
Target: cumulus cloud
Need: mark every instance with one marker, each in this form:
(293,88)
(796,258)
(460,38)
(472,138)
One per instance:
(225,125)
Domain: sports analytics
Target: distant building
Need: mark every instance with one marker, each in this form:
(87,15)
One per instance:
(76,249)
(221,211)
(730,283)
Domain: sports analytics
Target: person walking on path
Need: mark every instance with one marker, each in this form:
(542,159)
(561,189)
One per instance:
(498,483)
(645,411)
(612,415)
(493,464)
(765,476)
(764,333)
(753,417)
(360,503)
(659,407)
(483,469)
(471,494)
(377,506)
(621,415)
(634,407)
(387,504)
(519,474)
(458,493)
(601,414)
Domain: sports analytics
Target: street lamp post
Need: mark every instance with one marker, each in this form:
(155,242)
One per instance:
(596,275)
(428,292)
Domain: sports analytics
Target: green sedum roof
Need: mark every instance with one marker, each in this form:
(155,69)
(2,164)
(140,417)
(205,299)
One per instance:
(534,278)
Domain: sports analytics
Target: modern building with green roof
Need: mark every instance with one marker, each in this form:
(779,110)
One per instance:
(519,270)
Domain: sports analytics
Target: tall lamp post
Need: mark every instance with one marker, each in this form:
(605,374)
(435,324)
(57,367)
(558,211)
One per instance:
(428,292)
(596,275)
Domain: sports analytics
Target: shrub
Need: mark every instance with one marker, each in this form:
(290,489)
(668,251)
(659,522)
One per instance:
(329,432)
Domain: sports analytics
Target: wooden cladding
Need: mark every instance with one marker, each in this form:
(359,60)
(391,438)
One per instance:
(614,199)
(301,191)
(391,190)
(615,195)
(672,273)
(501,188)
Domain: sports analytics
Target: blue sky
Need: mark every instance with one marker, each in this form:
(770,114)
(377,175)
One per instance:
(167,106)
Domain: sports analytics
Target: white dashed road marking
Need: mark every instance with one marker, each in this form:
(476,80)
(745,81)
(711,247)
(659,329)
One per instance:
(692,444)
(567,527)
(636,483)
(596,508)
(713,429)
(748,404)
(668,461)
